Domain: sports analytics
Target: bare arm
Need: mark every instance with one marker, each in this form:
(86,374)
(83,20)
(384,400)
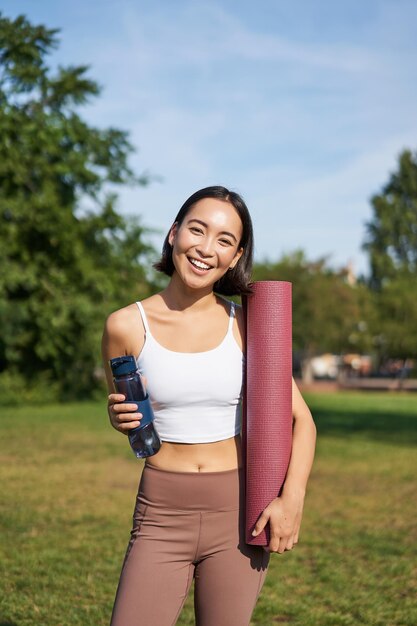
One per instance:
(116,341)
(284,513)
(303,445)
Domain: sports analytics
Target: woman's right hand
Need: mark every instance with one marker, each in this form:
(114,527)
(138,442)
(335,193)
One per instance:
(123,417)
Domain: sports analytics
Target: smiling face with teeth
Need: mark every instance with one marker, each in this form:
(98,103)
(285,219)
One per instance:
(207,242)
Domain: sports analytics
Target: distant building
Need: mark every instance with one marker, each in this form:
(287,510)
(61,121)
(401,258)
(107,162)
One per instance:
(349,273)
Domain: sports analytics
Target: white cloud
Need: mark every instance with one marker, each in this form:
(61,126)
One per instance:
(203,33)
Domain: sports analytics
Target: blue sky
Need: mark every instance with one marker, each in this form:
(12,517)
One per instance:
(302,107)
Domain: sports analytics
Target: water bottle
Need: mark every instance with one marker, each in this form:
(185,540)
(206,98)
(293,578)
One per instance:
(144,439)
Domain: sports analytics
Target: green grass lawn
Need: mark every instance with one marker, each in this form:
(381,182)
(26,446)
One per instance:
(68,485)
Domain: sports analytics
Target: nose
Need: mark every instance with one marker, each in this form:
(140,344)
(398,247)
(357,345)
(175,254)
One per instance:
(205,247)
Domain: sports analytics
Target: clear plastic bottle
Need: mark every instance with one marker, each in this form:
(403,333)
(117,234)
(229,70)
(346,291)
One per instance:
(144,439)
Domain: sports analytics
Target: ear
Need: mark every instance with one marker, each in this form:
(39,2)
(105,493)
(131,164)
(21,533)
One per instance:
(236,258)
(172,233)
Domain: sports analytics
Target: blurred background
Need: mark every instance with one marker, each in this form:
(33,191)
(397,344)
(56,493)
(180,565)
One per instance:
(111,115)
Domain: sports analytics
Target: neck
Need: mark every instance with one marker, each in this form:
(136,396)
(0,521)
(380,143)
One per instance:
(178,296)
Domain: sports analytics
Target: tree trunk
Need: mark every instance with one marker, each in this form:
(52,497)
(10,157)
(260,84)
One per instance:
(306,370)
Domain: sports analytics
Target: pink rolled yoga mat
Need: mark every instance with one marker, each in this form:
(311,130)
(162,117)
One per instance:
(267,402)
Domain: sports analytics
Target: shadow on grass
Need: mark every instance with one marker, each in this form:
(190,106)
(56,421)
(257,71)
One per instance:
(7,623)
(398,428)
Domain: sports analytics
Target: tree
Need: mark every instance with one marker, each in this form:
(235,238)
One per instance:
(326,309)
(392,232)
(63,267)
(395,326)
(392,246)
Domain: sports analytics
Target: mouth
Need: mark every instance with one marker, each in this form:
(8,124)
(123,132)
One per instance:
(199,265)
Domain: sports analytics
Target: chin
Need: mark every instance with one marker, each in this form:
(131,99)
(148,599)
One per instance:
(198,282)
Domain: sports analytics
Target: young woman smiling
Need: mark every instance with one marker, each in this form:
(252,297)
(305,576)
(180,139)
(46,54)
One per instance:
(188,342)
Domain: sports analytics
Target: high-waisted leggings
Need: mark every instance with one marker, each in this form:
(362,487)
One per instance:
(189,525)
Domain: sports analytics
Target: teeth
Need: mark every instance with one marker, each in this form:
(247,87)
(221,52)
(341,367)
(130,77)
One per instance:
(200,264)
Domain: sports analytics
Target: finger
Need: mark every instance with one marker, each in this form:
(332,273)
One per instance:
(126,426)
(274,545)
(116,397)
(274,541)
(290,544)
(124,408)
(282,545)
(260,524)
(127,418)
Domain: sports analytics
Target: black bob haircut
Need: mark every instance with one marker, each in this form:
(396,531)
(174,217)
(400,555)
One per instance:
(235,281)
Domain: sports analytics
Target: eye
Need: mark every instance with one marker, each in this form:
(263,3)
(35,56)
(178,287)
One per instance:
(226,242)
(195,229)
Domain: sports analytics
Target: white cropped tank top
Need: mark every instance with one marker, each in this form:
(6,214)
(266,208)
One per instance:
(195,396)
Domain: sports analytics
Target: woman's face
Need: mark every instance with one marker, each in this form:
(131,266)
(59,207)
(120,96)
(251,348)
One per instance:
(206,244)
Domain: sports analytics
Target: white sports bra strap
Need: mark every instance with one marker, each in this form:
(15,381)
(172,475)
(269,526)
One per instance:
(231,316)
(144,318)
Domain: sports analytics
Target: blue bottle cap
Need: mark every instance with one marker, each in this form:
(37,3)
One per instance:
(123,365)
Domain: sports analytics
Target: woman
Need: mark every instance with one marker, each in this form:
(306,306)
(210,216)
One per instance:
(188,342)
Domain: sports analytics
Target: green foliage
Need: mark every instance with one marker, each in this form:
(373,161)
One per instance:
(392,247)
(327,310)
(392,232)
(395,323)
(63,266)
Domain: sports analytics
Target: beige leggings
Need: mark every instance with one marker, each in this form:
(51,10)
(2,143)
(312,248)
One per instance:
(189,525)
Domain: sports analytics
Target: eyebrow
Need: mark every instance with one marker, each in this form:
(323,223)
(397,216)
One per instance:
(223,232)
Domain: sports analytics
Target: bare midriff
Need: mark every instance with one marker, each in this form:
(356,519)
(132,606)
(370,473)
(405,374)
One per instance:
(218,456)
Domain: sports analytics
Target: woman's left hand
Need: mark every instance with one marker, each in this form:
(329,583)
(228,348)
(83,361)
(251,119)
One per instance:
(284,516)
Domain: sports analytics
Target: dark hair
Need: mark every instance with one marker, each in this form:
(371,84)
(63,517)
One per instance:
(235,281)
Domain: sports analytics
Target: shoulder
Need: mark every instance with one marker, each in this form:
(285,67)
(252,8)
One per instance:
(120,322)
(123,332)
(126,324)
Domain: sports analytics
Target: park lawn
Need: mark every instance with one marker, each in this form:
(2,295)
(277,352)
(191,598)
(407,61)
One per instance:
(67,488)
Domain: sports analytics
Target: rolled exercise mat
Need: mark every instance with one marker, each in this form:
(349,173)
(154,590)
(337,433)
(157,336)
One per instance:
(267,401)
